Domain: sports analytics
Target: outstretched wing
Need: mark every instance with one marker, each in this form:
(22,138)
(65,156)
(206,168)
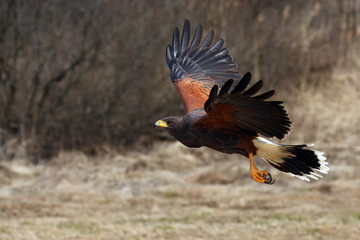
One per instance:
(196,66)
(239,109)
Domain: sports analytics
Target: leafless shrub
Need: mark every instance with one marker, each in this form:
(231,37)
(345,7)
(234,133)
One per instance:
(80,74)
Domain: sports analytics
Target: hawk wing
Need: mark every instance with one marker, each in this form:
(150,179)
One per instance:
(196,66)
(239,109)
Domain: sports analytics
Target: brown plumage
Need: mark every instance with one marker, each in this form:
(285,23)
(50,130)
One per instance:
(233,119)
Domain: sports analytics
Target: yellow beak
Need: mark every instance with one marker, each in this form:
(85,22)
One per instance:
(160,124)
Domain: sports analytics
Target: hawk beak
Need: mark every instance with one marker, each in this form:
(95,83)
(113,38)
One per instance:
(160,124)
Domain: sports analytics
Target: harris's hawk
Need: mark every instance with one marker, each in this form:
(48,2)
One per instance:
(234,119)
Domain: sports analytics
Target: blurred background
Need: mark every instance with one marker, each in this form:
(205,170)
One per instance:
(82,82)
(80,74)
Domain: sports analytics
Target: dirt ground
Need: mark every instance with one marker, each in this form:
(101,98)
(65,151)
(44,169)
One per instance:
(172,192)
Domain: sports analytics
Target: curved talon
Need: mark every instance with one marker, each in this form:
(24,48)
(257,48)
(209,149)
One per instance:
(261,176)
(258,175)
(268,179)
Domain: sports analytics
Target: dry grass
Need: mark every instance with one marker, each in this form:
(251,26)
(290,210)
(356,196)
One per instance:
(328,114)
(173,192)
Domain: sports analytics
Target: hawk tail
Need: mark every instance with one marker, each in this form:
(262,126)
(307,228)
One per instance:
(295,160)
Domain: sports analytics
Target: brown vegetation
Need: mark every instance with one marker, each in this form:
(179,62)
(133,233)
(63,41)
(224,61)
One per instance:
(76,75)
(173,192)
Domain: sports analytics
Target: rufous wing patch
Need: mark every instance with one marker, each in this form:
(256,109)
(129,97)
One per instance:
(193,93)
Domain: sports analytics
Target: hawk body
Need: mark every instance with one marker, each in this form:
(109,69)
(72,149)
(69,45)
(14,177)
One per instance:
(230,141)
(234,118)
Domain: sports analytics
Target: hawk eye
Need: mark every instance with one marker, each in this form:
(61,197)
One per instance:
(169,123)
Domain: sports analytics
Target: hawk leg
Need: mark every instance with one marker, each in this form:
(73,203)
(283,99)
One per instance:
(258,175)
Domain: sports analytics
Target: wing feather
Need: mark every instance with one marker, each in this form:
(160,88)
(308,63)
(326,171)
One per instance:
(218,45)
(226,87)
(242,84)
(197,37)
(254,88)
(185,39)
(240,109)
(169,54)
(208,39)
(175,42)
(198,65)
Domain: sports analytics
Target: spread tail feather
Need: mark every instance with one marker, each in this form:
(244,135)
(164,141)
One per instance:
(295,160)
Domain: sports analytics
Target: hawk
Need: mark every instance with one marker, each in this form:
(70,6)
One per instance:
(226,114)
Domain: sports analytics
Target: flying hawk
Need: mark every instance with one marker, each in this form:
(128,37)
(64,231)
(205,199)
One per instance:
(234,119)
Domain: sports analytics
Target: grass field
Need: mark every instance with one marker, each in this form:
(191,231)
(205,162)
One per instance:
(171,192)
